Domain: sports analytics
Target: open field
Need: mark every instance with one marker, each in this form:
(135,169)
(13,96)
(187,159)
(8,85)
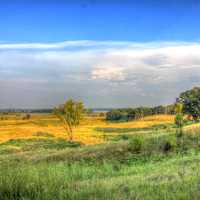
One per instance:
(141,159)
(89,131)
(13,127)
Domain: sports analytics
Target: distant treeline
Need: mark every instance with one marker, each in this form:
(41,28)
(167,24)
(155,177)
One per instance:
(121,114)
(26,110)
(127,114)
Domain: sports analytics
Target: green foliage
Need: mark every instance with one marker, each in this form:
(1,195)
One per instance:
(70,114)
(166,146)
(116,115)
(127,114)
(178,107)
(179,118)
(135,144)
(191,102)
(124,137)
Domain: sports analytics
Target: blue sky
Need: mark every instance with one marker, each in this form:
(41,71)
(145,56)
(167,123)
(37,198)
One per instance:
(90,20)
(108,54)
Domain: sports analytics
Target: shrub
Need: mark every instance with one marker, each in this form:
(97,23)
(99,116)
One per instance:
(135,145)
(166,146)
(26,117)
(124,137)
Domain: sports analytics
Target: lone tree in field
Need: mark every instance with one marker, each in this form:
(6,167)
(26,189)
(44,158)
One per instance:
(191,102)
(70,113)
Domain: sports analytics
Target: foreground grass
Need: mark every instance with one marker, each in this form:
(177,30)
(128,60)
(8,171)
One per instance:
(171,178)
(162,167)
(146,161)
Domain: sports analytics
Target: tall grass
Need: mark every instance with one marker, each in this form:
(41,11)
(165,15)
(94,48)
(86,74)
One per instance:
(171,178)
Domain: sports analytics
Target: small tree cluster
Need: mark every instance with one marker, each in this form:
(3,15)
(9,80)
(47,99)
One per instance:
(128,114)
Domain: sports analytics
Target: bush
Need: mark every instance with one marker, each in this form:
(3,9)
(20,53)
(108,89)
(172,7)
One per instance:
(26,117)
(124,137)
(135,145)
(166,146)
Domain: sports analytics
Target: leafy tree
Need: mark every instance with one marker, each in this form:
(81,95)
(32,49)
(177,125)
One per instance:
(115,115)
(191,102)
(170,109)
(159,110)
(179,117)
(70,114)
(131,114)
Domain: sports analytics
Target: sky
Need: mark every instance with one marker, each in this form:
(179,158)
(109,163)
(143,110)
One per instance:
(105,53)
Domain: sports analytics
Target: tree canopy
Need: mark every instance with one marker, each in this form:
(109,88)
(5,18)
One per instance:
(191,102)
(126,114)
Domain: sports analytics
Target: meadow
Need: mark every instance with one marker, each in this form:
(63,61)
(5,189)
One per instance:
(141,159)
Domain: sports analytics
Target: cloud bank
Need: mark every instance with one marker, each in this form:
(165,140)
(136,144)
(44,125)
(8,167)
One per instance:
(101,73)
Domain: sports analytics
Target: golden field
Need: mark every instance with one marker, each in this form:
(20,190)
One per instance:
(14,127)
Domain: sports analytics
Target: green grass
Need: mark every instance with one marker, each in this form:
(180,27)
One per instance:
(171,178)
(117,134)
(127,130)
(154,166)
(22,145)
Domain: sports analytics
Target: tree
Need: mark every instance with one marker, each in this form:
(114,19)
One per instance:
(114,115)
(159,110)
(179,118)
(191,102)
(70,114)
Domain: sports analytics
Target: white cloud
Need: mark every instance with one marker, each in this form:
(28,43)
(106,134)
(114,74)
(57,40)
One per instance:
(44,45)
(160,69)
(108,73)
(64,44)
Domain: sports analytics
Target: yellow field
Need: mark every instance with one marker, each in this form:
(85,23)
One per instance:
(13,127)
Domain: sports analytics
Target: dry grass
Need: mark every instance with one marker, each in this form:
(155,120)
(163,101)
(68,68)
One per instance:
(193,128)
(15,128)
